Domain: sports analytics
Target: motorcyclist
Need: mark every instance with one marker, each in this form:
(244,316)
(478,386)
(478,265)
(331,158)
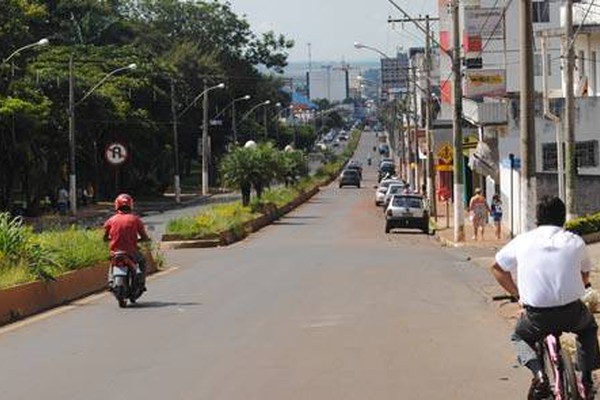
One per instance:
(124,230)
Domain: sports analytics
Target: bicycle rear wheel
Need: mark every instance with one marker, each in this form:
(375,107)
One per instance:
(570,378)
(557,385)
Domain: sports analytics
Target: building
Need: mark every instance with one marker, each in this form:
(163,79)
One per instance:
(329,82)
(489,32)
(394,76)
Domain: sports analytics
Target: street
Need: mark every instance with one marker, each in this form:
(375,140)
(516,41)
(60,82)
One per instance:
(321,305)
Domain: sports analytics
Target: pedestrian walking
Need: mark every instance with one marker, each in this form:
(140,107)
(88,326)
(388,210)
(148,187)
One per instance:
(496,213)
(478,213)
(63,201)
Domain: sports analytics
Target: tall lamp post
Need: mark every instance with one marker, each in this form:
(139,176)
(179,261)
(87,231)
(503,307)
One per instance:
(232,105)
(205,152)
(176,117)
(71,112)
(264,103)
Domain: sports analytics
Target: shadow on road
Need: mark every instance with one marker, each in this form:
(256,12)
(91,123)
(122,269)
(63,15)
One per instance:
(161,304)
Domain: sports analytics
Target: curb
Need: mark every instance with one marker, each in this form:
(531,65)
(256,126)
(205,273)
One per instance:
(231,236)
(25,300)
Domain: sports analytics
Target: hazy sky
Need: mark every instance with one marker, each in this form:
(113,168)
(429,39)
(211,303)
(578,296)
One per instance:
(332,26)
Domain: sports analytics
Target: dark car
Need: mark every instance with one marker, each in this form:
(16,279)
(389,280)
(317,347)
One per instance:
(355,165)
(386,168)
(349,177)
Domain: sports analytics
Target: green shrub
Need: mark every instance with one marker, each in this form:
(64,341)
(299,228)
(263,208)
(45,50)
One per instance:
(584,225)
(211,221)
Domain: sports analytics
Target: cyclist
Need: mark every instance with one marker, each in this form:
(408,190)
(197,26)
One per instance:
(124,229)
(552,267)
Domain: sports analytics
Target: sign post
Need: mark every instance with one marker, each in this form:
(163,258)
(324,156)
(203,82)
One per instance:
(116,154)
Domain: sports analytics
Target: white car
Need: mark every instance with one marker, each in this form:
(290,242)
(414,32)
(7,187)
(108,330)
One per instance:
(382,189)
(394,188)
(407,211)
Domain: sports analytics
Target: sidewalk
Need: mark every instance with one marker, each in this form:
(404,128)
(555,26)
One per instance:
(95,214)
(482,253)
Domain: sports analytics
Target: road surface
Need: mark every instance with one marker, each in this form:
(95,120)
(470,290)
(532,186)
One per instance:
(322,305)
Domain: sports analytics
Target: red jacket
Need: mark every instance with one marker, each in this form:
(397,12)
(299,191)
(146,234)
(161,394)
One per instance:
(123,231)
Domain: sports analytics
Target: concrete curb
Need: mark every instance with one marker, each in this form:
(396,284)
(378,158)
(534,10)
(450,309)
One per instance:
(31,298)
(226,238)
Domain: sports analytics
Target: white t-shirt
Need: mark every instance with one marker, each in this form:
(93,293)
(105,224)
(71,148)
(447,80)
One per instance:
(548,262)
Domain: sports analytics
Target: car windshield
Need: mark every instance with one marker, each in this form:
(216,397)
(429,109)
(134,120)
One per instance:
(410,202)
(349,173)
(393,189)
(387,167)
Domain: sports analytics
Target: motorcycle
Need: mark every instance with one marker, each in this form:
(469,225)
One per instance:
(125,278)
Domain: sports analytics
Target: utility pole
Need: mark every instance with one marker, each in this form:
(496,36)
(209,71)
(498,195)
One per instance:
(527,122)
(553,117)
(415,165)
(459,187)
(175,143)
(72,147)
(571,159)
(205,140)
(428,117)
(430,166)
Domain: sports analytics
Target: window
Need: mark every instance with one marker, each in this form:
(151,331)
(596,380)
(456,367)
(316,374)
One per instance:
(581,64)
(586,154)
(594,72)
(541,11)
(537,64)
(549,157)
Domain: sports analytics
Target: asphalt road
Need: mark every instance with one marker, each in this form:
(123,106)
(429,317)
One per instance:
(322,305)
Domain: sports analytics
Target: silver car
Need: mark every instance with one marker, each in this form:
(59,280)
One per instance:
(394,188)
(407,211)
(382,190)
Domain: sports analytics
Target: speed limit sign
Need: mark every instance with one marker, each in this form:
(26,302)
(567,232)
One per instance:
(116,153)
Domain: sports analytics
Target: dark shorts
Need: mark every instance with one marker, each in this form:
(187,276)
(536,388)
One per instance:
(497,217)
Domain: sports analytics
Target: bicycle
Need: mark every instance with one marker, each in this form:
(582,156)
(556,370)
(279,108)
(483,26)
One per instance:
(563,377)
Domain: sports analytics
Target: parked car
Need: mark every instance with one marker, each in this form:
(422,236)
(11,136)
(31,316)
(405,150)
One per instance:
(349,177)
(382,190)
(393,189)
(386,168)
(407,211)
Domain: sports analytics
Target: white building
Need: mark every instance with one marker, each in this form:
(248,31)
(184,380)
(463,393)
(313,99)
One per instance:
(329,83)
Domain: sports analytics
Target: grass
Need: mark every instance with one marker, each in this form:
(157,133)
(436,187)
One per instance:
(211,221)
(26,256)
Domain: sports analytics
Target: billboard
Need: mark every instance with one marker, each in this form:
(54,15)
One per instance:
(484,22)
(482,82)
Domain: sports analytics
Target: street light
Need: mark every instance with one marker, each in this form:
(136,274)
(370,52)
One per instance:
(264,103)
(41,42)
(176,116)
(205,149)
(232,105)
(71,112)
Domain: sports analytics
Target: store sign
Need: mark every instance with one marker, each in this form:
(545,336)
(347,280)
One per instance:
(479,83)
(486,22)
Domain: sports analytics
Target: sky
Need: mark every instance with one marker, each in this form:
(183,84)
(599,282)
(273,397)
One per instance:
(332,26)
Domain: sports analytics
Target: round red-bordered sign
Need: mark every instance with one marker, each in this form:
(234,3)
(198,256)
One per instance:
(116,153)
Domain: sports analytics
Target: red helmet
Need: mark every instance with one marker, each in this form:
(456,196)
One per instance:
(124,200)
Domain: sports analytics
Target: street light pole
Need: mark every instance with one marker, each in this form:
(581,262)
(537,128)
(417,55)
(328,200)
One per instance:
(71,114)
(175,144)
(205,150)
